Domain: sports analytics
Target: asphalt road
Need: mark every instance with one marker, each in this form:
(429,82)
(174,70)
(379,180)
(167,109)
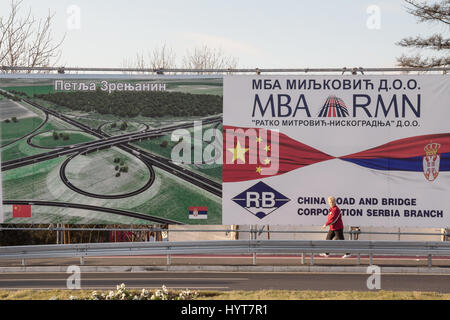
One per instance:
(229,281)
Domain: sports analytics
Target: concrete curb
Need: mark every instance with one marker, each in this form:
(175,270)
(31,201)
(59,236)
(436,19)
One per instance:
(172,268)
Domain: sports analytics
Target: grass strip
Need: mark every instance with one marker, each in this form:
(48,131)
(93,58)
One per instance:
(241,295)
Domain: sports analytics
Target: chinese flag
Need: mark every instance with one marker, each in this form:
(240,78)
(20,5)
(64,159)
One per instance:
(290,155)
(21,211)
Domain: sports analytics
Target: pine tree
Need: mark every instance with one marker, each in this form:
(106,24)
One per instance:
(436,13)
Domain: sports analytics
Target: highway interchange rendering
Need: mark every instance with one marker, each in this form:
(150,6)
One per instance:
(117,201)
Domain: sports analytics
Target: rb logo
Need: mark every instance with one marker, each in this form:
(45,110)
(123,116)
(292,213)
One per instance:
(260,200)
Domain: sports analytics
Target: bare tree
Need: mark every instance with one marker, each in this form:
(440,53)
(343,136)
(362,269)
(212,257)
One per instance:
(138,64)
(163,57)
(26,41)
(204,58)
(160,58)
(437,13)
(13,33)
(127,63)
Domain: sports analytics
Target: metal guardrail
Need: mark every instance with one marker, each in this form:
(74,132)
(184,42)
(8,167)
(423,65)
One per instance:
(252,233)
(254,247)
(445,232)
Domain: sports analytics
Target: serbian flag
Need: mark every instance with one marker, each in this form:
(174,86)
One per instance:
(427,153)
(21,211)
(198,212)
(256,153)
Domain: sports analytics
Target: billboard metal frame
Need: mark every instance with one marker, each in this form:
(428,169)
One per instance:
(162,71)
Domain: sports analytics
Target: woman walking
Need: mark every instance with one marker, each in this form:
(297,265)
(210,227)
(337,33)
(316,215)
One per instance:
(336,225)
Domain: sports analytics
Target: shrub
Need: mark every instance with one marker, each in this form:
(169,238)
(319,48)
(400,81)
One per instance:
(122,293)
(123,126)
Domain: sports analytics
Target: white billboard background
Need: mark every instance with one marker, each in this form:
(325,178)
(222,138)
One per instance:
(335,177)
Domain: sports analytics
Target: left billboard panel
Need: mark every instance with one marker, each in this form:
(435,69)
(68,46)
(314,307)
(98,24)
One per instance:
(95,149)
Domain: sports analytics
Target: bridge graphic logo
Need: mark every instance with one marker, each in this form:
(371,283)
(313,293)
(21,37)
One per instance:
(334,107)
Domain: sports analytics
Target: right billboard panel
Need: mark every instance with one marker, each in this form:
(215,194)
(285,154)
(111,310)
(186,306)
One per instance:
(379,144)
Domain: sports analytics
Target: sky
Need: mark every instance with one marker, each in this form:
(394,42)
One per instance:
(259,33)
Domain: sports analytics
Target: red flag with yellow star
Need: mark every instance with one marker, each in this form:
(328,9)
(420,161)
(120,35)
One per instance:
(21,211)
(253,153)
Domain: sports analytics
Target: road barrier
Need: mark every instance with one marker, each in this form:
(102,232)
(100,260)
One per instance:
(254,247)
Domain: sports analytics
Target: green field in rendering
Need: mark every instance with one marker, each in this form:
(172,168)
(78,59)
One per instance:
(60,138)
(21,148)
(13,130)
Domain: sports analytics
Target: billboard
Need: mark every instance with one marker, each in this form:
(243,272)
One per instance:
(102,149)
(379,144)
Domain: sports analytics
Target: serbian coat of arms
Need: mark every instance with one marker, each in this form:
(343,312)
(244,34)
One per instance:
(431,161)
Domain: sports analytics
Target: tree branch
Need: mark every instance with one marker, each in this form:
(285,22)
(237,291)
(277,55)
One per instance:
(435,42)
(418,62)
(26,41)
(430,12)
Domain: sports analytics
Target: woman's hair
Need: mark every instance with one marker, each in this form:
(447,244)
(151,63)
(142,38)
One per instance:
(332,200)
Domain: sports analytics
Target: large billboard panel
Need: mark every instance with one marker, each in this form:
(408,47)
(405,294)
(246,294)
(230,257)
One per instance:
(380,144)
(91,149)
